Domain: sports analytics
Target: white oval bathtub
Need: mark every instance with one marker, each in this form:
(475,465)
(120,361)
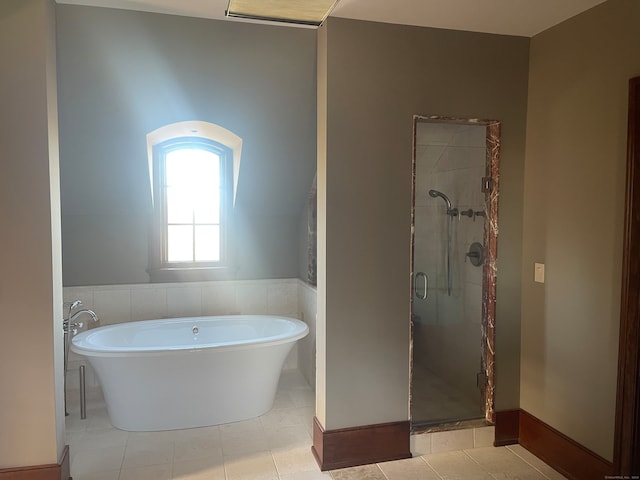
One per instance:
(189,372)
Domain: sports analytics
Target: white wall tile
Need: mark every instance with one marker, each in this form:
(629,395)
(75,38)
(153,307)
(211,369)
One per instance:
(219,298)
(282,298)
(112,305)
(470,136)
(148,303)
(184,301)
(251,298)
(84,294)
(435,133)
(473,303)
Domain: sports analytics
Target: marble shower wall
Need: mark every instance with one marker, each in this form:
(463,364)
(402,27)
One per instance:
(450,158)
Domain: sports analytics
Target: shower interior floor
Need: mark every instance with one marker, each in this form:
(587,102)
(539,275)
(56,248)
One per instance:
(435,401)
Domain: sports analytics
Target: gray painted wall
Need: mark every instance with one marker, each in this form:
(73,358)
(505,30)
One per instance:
(123,74)
(379,76)
(574,219)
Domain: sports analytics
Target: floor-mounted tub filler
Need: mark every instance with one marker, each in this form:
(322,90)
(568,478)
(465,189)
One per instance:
(189,372)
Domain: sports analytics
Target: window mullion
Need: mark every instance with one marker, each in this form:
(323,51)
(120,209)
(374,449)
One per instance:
(193,227)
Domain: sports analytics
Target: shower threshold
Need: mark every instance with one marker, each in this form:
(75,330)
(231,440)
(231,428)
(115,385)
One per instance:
(448,424)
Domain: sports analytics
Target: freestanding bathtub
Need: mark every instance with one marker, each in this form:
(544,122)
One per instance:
(189,372)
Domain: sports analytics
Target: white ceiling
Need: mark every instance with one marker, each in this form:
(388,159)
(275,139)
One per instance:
(508,17)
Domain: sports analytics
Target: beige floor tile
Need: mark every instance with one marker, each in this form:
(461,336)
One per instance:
(98,420)
(289,437)
(310,475)
(303,397)
(504,464)
(110,475)
(143,454)
(285,417)
(238,445)
(241,429)
(452,440)
(96,460)
(147,437)
(277,447)
(153,472)
(197,448)
(294,460)
(364,472)
(457,465)
(103,438)
(203,469)
(255,466)
(189,433)
(410,469)
(534,461)
(74,439)
(75,424)
(283,400)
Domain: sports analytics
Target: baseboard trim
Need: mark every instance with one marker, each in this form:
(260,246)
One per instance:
(507,428)
(349,447)
(561,452)
(54,471)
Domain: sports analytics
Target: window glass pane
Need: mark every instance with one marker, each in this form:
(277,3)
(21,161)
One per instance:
(179,205)
(207,243)
(178,172)
(192,167)
(180,243)
(207,206)
(193,186)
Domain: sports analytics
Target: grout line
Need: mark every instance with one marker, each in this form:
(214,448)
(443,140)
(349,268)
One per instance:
(478,463)
(382,471)
(431,467)
(529,463)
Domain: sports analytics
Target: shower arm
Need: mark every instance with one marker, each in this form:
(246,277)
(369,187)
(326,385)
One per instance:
(451,212)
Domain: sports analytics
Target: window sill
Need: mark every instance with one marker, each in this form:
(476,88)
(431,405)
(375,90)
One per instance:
(185,274)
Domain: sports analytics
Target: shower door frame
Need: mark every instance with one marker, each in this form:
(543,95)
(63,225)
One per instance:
(490,186)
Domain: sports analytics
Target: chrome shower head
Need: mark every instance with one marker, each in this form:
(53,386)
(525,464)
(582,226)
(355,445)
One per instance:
(436,193)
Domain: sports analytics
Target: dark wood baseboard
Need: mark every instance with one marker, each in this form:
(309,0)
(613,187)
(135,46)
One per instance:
(349,447)
(561,452)
(507,428)
(54,471)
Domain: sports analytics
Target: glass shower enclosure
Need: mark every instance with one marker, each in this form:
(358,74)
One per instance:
(453,287)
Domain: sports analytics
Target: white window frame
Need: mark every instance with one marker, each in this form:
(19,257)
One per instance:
(159,141)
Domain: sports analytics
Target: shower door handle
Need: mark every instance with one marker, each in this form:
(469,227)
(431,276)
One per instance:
(424,292)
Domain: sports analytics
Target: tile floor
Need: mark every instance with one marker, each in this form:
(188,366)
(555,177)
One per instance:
(275,446)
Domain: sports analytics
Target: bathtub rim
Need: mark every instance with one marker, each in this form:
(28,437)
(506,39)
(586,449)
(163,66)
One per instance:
(260,342)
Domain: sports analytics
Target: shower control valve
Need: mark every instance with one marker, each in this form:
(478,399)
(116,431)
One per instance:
(468,213)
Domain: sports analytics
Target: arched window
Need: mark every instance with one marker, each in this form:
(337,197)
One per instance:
(193,169)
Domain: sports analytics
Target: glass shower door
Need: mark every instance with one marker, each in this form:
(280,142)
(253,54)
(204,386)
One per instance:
(447,304)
